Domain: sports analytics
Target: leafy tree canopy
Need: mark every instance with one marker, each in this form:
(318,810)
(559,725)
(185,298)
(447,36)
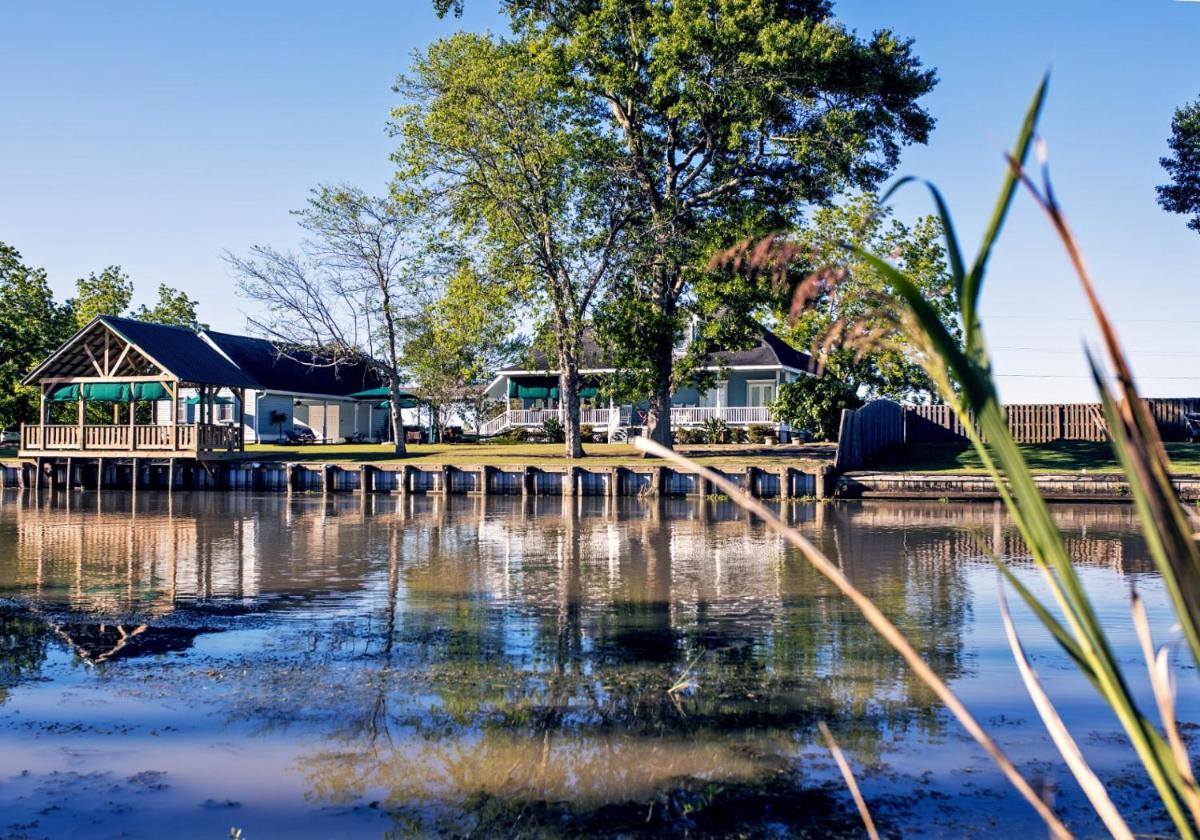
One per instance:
(1182,195)
(851,321)
(106,293)
(173,307)
(732,117)
(32,325)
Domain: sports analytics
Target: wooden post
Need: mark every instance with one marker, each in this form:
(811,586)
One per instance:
(366,479)
(82,415)
(132,420)
(821,480)
(446,478)
(528,483)
(485,477)
(406,479)
(327,483)
(241,434)
(748,482)
(658,480)
(785,483)
(571,479)
(614,481)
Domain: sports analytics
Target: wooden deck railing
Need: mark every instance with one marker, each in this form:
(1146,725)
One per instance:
(183,438)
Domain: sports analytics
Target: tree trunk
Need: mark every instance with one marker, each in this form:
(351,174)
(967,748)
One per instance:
(658,414)
(397,416)
(568,392)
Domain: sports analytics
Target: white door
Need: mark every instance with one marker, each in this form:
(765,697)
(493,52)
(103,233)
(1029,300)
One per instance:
(760,394)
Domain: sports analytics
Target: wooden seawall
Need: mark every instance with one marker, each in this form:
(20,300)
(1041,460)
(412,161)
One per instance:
(1100,487)
(266,476)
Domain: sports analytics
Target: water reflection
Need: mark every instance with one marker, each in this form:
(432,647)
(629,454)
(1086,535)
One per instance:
(473,664)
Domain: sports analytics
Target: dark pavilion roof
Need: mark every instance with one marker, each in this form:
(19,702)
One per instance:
(178,350)
(181,351)
(206,358)
(770,351)
(294,371)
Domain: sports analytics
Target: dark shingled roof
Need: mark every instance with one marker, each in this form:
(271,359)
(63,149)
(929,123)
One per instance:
(275,371)
(770,350)
(181,351)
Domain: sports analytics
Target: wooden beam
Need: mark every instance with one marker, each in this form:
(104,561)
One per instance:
(92,356)
(116,367)
(74,380)
(107,369)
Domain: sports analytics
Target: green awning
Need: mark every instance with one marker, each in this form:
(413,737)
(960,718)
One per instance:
(150,391)
(541,392)
(111,392)
(382,392)
(406,402)
(217,401)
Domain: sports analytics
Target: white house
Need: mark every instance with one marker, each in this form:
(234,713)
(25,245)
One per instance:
(747,383)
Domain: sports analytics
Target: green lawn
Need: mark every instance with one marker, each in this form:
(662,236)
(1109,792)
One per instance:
(539,454)
(1063,457)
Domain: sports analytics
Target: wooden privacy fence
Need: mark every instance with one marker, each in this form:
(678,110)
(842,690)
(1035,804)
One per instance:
(865,431)
(883,423)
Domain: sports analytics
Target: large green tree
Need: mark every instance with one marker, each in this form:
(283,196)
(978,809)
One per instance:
(173,307)
(32,325)
(521,165)
(1182,195)
(106,293)
(458,341)
(730,115)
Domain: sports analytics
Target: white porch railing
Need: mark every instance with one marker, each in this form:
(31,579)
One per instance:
(602,417)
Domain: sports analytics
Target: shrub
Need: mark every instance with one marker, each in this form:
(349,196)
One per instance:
(757,433)
(552,428)
(815,403)
(587,434)
(715,430)
(684,437)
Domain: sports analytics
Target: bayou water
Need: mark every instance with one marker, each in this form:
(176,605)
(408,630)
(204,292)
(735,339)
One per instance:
(186,664)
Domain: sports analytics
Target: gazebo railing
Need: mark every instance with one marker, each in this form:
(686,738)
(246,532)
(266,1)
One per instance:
(190,437)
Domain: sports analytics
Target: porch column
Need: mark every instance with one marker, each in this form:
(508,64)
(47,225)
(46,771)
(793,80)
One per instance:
(324,421)
(82,417)
(240,395)
(173,390)
(132,422)
(719,412)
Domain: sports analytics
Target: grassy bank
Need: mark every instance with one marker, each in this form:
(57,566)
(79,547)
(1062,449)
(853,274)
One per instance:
(539,454)
(1061,457)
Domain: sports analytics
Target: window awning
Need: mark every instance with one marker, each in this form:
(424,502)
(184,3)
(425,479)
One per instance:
(542,392)
(407,398)
(217,401)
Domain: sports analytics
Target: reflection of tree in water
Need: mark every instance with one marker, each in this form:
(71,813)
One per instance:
(506,661)
(24,643)
(526,676)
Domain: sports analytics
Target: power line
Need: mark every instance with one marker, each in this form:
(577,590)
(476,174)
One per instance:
(1136,353)
(1116,320)
(1079,376)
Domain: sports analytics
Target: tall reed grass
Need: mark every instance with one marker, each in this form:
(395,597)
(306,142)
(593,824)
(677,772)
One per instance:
(963,374)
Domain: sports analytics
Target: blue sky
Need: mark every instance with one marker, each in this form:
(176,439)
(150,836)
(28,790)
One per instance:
(157,135)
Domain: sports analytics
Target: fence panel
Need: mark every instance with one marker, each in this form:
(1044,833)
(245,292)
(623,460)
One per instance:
(864,432)
(1044,423)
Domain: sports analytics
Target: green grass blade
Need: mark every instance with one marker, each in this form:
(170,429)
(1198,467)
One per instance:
(973,282)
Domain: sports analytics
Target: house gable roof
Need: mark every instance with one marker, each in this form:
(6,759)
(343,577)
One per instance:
(295,371)
(770,351)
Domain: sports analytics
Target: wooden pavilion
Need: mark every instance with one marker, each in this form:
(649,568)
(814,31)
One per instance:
(137,368)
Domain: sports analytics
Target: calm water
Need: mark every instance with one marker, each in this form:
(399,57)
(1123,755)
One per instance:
(181,665)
